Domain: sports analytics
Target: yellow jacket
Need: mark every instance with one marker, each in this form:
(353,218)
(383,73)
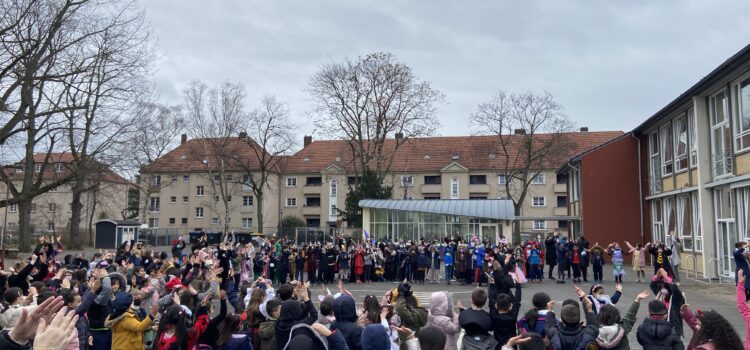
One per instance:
(127,331)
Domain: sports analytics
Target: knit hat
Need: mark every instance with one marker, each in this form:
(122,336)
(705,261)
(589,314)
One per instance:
(570,315)
(122,303)
(374,337)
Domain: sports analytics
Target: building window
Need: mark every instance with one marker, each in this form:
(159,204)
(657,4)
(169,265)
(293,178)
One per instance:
(680,144)
(561,178)
(50,226)
(696,220)
(183,221)
(155,180)
(313,181)
(291,182)
(153,204)
(247,185)
(53,189)
(228,177)
(70,207)
(665,134)
(199,213)
(654,179)
(186,178)
(33,207)
(432,180)
(721,134)
(538,179)
(333,212)
(538,201)
(214,221)
(172,221)
(454,188)
(407,180)
(12,227)
(217,178)
(478,179)
(174,178)
(477,197)
(59,167)
(37,167)
(291,202)
(693,139)
(13,208)
(185,199)
(742,117)
(502,179)
(351,180)
(540,225)
(247,223)
(52,207)
(334,188)
(173,199)
(432,197)
(199,190)
(562,201)
(153,222)
(247,201)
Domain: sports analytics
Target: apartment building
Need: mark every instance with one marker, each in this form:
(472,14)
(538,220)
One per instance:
(313,182)
(51,211)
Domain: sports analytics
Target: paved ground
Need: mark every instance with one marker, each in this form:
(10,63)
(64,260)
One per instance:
(719,297)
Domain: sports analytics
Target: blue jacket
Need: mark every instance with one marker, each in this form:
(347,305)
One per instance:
(479,252)
(448,255)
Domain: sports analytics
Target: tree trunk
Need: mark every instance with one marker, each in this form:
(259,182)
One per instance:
(24,226)
(259,206)
(75,216)
(516,225)
(92,212)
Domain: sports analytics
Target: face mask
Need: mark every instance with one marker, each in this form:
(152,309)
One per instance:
(137,302)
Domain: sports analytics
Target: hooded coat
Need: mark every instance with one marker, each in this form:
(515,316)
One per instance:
(442,317)
(304,337)
(676,301)
(345,310)
(292,314)
(616,336)
(658,335)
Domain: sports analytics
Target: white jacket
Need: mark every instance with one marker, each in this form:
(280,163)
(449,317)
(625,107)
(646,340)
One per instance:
(10,317)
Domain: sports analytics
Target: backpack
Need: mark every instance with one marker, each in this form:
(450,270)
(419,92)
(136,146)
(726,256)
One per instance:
(484,342)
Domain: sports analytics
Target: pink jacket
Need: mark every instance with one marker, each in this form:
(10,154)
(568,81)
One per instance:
(442,317)
(745,312)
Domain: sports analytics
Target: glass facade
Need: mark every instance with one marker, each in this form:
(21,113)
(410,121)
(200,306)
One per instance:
(387,224)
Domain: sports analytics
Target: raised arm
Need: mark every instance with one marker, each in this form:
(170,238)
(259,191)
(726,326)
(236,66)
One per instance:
(741,303)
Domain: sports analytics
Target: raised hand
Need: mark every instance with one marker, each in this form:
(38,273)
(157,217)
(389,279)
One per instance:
(579,291)
(519,339)
(59,333)
(618,287)
(740,277)
(26,326)
(643,295)
(551,305)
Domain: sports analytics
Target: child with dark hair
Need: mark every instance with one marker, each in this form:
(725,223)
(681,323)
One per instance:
(741,255)
(528,341)
(571,333)
(671,296)
(476,322)
(715,332)
(656,332)
(504,315)
(534,319)
(613,331)
(268,328)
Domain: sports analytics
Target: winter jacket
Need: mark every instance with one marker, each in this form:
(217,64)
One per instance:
(332,342)
(616,336)
(658,335)
(550,255)
(7,344)
(442,317)
(82,325)
(237,342)
(744,311)
(292,315)
(448,255)
(413,318)
(10,317)
(504,325)
(346,321)
(676,301)
(268,335)
(692,322)
(567,337)
(127,331)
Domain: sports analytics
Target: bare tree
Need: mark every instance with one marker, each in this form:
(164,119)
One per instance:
(269,137)
(540,141)
(215,117)
(370,99)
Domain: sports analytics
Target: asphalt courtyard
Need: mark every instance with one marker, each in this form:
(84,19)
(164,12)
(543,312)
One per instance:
(719,297)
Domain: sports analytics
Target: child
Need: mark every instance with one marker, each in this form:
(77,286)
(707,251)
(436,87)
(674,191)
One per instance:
(671,296)
(534,261)
(575,262)
(742,305)
(268,327)
(597,262)
(661,258)
(656,332)
(639,260)
(613,331)
(618,259)
(534,319)
(504,315)
(598,298)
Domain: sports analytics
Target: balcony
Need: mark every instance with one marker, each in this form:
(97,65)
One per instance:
(309,210)
(429,188)
(479,188)
(312,189)
(560,211)
(560,188)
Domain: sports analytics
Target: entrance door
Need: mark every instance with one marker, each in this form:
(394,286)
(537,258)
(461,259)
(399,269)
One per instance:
(726,240)
(487,232)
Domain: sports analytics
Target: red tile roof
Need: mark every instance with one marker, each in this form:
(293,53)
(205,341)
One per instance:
(190,155)
(65,158)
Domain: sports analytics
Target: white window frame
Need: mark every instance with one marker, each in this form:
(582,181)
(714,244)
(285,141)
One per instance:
(666,144)
(200,191)
(502,179)
(154,204)
(455,194)
(333,188)
(13,208)
(173,178)
(185,178)
(173,199)
(59,167)
(739,107)
(539,225)
(153,222)
(679,158)
(199,212)
(575,185)
(172,221)
(52,207)
(721,164)
(155,180)
(692,138)
(37,167)
(535,204)
(185,199)
(538,179)
(215,221)
(654,165)
(291,181)
(696,219)
(657,225)
(290,202)
(247,201)
(407,180)
(247,223)
(50,226)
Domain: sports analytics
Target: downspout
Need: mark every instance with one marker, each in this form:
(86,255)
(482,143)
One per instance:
(580,198)
(640,183)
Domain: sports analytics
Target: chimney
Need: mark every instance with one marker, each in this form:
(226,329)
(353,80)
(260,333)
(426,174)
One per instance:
(585,129)
(399,137)
(243,135)
(520,131)
(183,138)
(307,141)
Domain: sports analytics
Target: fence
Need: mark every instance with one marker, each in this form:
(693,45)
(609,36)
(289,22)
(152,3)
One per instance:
(305,235)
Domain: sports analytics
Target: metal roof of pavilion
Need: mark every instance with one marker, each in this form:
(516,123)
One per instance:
(500,209)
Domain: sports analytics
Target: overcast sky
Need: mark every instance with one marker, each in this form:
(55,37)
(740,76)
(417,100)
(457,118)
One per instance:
(611,64)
